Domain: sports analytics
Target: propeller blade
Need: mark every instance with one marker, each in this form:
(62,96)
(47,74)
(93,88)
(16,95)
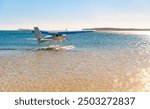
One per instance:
(66,29)
(67,38)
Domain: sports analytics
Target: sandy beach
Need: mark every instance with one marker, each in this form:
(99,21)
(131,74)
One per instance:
(65,71)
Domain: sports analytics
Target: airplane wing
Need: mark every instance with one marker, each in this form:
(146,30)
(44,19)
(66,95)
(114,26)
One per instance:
(66,32)
(49,33)
(75,32)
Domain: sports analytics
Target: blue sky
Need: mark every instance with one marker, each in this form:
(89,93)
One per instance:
(74,14)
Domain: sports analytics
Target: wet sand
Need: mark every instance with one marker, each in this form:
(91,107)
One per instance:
(65,71)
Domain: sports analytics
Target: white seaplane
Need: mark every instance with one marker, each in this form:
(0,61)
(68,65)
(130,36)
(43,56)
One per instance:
(48,36)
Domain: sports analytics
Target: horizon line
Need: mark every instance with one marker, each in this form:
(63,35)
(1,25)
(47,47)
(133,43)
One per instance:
(105,28)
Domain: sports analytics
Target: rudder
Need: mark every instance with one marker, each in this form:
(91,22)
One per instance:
(37,33)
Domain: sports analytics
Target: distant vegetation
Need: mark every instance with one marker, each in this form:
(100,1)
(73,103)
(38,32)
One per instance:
(24,29)
(117,29)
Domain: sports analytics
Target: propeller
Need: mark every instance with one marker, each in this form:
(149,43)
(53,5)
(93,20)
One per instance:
(67,38)
(66,29)
(66,35)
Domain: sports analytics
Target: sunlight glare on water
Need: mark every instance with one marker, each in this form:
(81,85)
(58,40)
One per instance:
(102,61)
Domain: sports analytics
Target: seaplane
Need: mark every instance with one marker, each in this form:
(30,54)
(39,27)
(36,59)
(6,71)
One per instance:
(49,36)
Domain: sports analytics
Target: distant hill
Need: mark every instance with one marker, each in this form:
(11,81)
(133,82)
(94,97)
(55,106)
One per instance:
(25,29)
(117,29)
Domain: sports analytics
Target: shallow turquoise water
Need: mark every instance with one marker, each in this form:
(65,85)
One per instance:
(99,41)
(25,40)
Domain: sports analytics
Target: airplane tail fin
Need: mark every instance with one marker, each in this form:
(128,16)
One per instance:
(37,33)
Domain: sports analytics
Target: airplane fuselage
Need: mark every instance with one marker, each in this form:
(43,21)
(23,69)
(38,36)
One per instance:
(56,38)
